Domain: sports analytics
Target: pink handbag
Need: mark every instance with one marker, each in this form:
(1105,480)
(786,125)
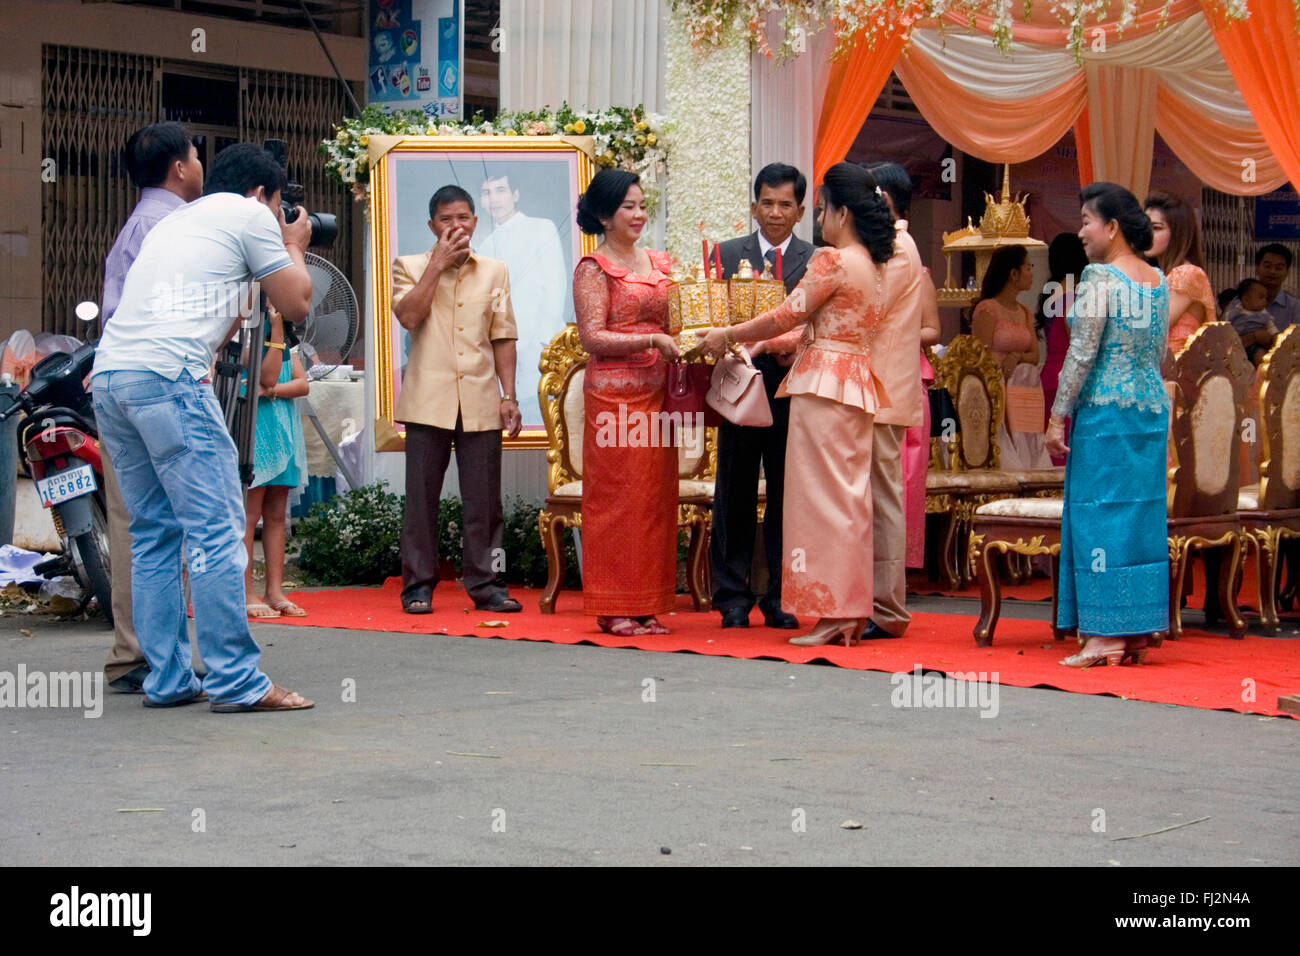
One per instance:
(736,391)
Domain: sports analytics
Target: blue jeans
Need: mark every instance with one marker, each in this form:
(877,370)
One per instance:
(178,471)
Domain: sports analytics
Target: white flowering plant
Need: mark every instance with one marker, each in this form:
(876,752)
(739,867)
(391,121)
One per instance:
(353,538)
(630,138)
(707,21)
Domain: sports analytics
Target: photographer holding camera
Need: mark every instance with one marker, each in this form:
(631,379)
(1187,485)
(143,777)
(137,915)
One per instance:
(184,296)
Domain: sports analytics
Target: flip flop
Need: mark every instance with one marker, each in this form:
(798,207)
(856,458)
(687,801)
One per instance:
(288,608)
(275,699)
(260,611)
(418,606)
(196,699)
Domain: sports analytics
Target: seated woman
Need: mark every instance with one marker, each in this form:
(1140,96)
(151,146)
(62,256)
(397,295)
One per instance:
(1005,325)
(1176,249)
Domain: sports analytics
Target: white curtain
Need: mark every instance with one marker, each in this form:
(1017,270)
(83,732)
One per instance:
(592,53)
(784,106)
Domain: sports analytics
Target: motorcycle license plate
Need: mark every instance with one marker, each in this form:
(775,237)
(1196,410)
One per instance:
(72,483)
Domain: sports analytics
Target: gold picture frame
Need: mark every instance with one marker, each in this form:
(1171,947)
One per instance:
(418,165)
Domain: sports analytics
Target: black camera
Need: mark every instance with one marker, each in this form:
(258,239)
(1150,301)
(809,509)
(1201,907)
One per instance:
(324,225)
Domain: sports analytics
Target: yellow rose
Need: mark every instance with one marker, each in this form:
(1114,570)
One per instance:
(652,139)
(640,140)
(342,137)
(568,127)
(580,127)
(511,132)
(608,156)
(364,140)
(643,125)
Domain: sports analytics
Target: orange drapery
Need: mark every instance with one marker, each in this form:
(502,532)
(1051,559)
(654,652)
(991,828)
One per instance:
(1006,131)
(1263,53)
(1083,147)
(855,83)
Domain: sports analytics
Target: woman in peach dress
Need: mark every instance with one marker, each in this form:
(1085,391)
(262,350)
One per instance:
(1176,249)
(833,401)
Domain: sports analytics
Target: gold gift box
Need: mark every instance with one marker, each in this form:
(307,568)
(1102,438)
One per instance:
(749,295)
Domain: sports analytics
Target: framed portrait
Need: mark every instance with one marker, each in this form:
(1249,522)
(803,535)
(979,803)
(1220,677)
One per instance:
(525,191)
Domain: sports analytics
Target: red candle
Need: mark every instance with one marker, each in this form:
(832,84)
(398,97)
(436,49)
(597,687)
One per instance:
(717,260)
(704,245)
(776,266)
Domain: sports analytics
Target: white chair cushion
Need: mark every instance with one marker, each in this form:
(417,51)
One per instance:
(573,413)
(1050,508)
(975,480)
(1248,498)
(691,488)
(1214,434)
(572,489)
(1288,450)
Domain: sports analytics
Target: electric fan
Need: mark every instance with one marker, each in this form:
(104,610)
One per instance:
(330,330)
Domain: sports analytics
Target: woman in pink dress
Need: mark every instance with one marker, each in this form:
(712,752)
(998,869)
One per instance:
(629,486)
(833,401)
(916,441)
(1176,249)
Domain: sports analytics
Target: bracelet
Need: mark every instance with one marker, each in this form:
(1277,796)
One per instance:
(726,336)
(274,345)
(290,242)
(509,398)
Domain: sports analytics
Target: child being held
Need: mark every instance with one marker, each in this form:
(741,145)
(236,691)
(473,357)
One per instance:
(1251,320)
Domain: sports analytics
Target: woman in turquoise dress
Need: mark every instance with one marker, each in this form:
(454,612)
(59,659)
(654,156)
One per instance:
(1114,577)
(279,467)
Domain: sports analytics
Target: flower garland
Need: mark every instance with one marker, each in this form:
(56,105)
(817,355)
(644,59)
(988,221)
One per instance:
(624,137)
(708,105)
(707,20)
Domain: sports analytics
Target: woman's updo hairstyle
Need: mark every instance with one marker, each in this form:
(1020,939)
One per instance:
(851,187)
(1115,203)
(606,193)
(1004,262)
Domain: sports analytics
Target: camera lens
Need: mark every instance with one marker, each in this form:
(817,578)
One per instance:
(324,228)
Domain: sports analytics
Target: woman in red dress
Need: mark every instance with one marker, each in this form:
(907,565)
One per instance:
(629,475)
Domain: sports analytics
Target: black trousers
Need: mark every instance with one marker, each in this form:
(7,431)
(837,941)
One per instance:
(735,501)
(478,460)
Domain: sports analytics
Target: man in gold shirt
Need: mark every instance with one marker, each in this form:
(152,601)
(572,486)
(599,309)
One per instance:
(456,306)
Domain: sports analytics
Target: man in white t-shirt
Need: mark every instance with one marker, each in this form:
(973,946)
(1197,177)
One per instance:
(183,298)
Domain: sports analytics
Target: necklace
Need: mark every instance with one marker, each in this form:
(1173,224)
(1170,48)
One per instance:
(631,267)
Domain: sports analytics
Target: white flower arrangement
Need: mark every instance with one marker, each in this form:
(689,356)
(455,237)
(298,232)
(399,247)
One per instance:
(706,21)
(708,102)
(630,138)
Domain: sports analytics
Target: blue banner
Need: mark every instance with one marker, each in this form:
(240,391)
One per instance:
(1277,215)
(415,54)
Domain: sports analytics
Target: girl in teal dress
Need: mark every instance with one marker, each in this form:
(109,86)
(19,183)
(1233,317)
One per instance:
(279,459)
(1114,570)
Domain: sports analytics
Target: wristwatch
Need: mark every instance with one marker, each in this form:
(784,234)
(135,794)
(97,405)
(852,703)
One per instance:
(509,398)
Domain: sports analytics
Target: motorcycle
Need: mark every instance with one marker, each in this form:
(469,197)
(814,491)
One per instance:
(60,445)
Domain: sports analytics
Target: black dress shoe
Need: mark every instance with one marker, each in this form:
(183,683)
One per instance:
(132,682)
(874,631)
(781,620)
(500,604)
(735,617)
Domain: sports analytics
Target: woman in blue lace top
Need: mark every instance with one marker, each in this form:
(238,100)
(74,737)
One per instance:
(1114,577)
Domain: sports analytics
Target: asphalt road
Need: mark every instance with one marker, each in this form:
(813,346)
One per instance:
(473,751)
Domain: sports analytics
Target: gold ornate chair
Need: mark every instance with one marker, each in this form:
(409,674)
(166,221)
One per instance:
(563,366)
(974,381)
(1211,376)
(1270,511)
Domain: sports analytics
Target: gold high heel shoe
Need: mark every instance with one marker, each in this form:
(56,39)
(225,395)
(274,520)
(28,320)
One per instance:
(1081,660)
(829,634)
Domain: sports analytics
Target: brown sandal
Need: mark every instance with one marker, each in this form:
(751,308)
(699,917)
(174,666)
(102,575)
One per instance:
(277,698)
(288,608)
(621,626)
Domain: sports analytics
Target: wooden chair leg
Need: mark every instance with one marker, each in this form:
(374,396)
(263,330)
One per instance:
(1058,633)
(990,595)
(1267,579)
(697,556)
(948,555)
(552,530)
(1177,568)
(1228,593)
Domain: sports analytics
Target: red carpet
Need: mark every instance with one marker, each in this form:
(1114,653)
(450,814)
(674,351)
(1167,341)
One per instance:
(1202,670)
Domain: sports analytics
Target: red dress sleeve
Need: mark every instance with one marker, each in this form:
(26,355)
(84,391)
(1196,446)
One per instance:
(591,309)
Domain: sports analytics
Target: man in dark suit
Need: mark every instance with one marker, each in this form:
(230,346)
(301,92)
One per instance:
(778,206)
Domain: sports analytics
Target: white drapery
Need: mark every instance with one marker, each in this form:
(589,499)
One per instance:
(593,53)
